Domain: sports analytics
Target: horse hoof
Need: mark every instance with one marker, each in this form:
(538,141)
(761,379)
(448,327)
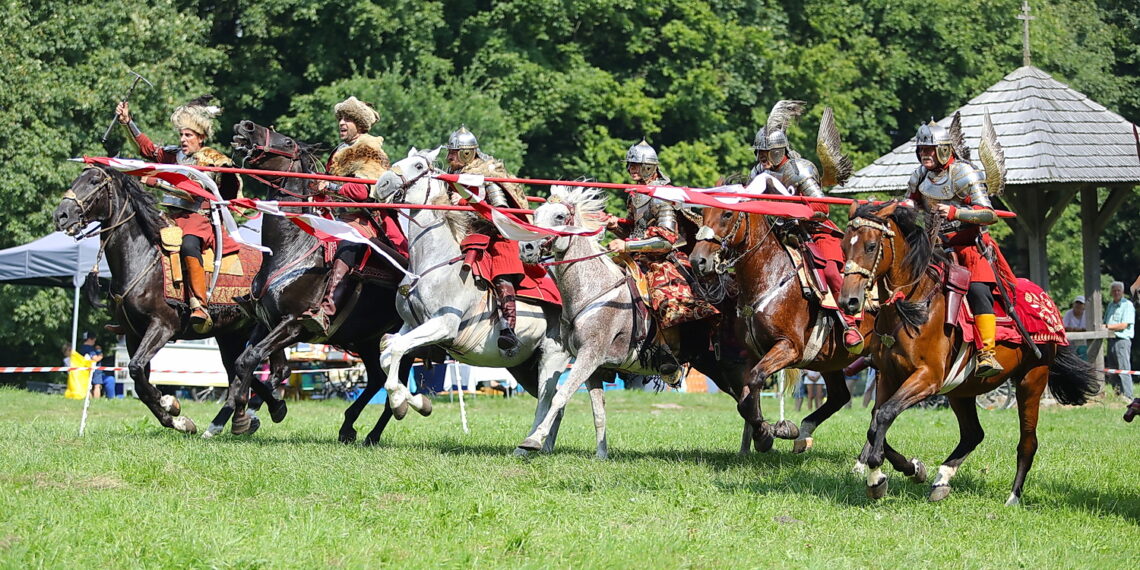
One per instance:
(877,491)
(919,471)
(763,442)
(521,453)
(185,425)
(212,430)
(802,445)
(425,406)
(254,424)
(240,424)
(346,436)
(939,492)
(530,444)
(1013,500)
(400,411)
(170,405)
(370,440)
(278,413)
(786,430)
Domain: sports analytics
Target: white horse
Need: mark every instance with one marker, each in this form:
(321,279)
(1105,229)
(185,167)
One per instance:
(600,316)
(446,307)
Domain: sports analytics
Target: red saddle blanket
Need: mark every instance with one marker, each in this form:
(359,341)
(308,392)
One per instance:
(229,286)
(536,284)
(1038,313)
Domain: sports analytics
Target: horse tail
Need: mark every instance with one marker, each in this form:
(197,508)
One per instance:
(92,291)
(1072,380)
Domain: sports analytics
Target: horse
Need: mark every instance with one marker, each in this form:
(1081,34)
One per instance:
(292,280)
(444,305)
(782,327)
(919,354)
(130,224)
(601,322)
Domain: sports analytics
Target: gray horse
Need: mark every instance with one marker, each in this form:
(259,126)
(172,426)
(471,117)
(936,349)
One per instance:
(445,306)
(599,308)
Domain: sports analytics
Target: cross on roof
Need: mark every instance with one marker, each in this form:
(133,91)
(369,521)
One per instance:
(1025,17)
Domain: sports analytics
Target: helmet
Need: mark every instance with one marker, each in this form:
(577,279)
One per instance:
(937,136)
(774,142)
(643,155)
(465,142)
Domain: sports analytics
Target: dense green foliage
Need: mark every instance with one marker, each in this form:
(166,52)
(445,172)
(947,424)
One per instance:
(131,494)
(556,89)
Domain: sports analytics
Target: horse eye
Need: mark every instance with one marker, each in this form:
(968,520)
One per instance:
(871,246)
(726,216)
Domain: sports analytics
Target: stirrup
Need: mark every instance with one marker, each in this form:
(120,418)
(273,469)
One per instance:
(508,340)
(853,341)
(315,321)
(200,320)
(987,364)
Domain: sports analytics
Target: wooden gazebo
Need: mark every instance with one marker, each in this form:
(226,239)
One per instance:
(1057,142)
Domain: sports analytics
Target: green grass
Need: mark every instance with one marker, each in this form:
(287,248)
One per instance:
(673,494)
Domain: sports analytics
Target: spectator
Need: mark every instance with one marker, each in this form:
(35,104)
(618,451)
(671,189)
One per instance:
(1075,318)
(95,353)
(800,391)
(813,383)
(1120,318)
(869,391)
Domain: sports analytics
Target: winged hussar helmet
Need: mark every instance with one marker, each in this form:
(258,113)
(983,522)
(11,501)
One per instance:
(773,136)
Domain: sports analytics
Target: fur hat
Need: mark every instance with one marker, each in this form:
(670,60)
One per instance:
(197,116)
(357,111)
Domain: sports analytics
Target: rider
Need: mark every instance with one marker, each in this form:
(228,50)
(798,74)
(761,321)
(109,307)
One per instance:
(359,155)
(195,125)
(652,236)
(464,157)
(954,192)
(800,177)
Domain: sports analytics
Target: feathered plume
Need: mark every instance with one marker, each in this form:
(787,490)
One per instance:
(836,167)
(783,112)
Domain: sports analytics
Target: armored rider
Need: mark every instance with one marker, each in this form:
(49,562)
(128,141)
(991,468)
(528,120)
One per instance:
(359,155)
(801,178)
(954,193)
(195,125)
(464,157)
(652,236)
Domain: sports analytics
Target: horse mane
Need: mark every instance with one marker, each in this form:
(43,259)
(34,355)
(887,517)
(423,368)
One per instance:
(149,218)
(587,204)
(921,252)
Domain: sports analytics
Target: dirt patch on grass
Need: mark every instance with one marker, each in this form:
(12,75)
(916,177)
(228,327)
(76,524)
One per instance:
(45,481)
(8,541)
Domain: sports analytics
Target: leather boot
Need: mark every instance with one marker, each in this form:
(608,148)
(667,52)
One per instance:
(508,341)
(986,360)
(318,320)
(200,320)
(852,338)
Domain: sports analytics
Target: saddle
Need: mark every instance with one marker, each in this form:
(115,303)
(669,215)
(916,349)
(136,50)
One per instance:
(236,270)
(535,285)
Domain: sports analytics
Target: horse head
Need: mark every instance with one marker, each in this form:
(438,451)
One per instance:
(262,147)
(567,206)
(870,251)
(408,181)
(721,232)
(90,197)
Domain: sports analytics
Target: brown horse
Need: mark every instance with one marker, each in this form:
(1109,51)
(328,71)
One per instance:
(781,326)
(889,269)
(130,225)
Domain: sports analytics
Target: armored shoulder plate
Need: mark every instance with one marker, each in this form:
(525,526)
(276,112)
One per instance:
(916,179)
(969,183)
(802,175)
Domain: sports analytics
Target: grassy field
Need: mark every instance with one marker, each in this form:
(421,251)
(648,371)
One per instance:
(673,494)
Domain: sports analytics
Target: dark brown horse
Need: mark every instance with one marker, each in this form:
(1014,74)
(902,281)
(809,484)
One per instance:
(780,325)
(915,349)
(130,225)
(292,279)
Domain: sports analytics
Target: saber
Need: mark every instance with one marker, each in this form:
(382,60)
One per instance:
(115,118)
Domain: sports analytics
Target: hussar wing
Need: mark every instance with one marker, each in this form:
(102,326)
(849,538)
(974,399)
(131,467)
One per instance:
(835,167)
(992,158)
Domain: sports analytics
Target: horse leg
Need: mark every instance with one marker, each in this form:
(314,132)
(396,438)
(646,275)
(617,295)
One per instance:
(432,331)
(918,386)
(372,389)
(1029,392)
(970,434)
(777,358)
(722,373)
(596,384)
(837,396)
(283,334)
(587,362)
(164,408)
(231,346)
(279,372)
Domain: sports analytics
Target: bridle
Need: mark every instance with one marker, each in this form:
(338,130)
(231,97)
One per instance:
(720,265)
(259,153)
(83,204)
(853,268)
(402,193)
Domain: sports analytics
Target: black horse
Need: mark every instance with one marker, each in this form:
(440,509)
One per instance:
(130,224)
(292,279)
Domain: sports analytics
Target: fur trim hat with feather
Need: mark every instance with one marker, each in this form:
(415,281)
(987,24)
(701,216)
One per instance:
(357,111)
(197,115)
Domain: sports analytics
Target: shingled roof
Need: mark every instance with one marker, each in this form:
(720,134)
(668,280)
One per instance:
(1050,134)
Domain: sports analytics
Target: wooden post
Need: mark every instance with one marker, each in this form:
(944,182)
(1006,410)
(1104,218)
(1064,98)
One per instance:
(1090,235)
